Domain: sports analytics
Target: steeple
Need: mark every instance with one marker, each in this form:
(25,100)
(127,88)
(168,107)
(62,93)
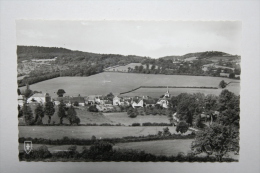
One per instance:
(167,94)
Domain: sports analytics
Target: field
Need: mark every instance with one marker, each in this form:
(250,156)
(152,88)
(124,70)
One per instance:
(104,83)
(123,118)
(162,147)
(157,92)
(86,132)
(87,117)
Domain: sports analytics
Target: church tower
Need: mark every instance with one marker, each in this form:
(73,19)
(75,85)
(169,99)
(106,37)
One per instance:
(167,94)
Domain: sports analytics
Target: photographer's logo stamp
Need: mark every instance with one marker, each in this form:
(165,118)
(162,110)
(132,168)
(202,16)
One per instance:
(27,146)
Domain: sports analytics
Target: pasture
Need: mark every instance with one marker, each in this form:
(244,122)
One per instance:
(161,147)
(114,118)
(123,118)
(86,132)
(157,92)
(106,82)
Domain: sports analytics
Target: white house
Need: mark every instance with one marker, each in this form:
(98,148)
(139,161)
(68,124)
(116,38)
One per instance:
(137,102)
(37,98)
(20,100)
(116,100)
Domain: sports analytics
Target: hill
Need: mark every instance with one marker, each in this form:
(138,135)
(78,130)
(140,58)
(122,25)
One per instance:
(208,55)
(42,63)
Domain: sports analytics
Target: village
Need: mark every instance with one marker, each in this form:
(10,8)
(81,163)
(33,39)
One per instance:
(100,103)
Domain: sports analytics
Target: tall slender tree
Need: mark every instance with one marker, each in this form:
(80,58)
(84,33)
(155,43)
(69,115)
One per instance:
(61,111)
(49,110)
(39,114)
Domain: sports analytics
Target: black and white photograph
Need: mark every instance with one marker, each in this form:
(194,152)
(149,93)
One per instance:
(128,90)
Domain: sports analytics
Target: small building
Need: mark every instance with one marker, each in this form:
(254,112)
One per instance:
(37,98)
(149,102)
(117,100)
(20,100)
(80,100)
(137,102)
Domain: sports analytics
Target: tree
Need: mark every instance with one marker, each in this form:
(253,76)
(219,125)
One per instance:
(39,114)
(166,131)
(28,92)
(216,139)
(92,108)
(72,116)
(229,108)
(60,92)
(222,84)
(49,110)
(182,127)
(61,111)
(20,111)
(232,75)
(76,103)
(28,114)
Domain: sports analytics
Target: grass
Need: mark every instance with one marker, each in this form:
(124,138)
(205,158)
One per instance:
(123,118)
(157,92)
(87,117)
(104,83)
(162,147)
(86,132)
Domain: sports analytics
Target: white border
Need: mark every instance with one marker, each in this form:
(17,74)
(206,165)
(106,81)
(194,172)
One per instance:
(245,11)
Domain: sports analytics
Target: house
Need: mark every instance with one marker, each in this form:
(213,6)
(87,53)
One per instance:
(37,98)
(78,99)
(20,100)
(108,103)
(66,100)
(92,99)
(137,102)
(117,100)
(163,102)
(149,102)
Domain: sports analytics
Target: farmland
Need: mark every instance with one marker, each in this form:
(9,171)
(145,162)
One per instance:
(86,132)
(123,118)
(162,147)
(106,82)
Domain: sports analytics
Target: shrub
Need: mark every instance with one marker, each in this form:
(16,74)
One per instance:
(136,124)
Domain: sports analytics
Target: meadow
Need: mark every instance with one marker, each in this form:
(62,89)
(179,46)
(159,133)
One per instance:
(98,118)
(161,147)
(86,132)
(123,118)
(106,82)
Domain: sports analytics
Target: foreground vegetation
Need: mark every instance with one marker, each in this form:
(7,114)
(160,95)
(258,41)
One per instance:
(103,151)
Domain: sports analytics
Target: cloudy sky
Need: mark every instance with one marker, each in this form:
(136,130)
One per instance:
(145,38)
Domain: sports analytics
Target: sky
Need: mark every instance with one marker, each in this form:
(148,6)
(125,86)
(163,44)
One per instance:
(143,38)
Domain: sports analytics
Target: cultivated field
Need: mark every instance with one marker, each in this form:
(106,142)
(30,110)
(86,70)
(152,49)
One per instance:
(86,132)
(107,82)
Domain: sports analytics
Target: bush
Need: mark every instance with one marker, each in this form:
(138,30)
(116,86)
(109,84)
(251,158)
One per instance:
(76,103)
(136,124)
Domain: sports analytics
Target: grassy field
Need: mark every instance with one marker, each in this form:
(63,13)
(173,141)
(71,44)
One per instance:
(123,118)
(161,147)
(86,132)
(87,117)
(104,83)
(157,92)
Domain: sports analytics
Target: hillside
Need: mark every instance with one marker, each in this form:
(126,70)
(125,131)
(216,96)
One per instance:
(202,55)
(42,63)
